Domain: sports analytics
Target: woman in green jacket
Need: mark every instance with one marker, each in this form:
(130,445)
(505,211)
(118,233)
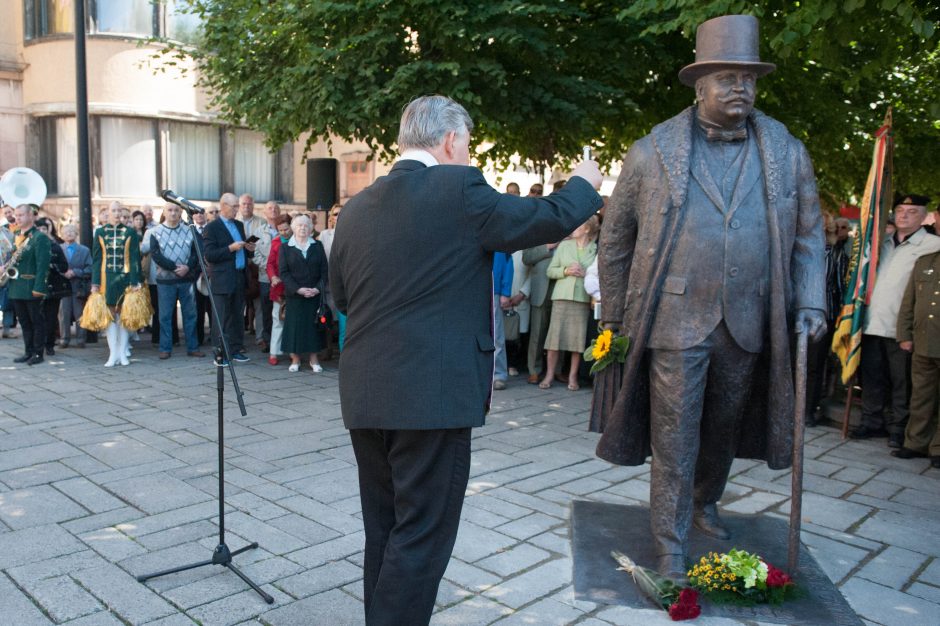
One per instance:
(567,329)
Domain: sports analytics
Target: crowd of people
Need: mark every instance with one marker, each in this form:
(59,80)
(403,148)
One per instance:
(269,276)
(555,294)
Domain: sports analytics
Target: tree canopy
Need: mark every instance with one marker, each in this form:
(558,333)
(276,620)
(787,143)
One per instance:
(543,78)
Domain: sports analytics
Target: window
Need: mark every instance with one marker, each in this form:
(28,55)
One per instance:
(132,17)
(135,157)
(140,18)
(57,161)
(128,157)
(193,160)
(254,165)
(66,154)
(181,25)
(358,177)
(48,17)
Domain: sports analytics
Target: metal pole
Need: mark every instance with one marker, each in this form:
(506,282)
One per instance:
(81,118)
(796,482)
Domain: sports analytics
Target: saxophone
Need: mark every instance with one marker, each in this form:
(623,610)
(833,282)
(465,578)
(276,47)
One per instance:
(8,270)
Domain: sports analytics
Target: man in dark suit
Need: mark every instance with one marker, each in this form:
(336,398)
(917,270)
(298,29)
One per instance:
(203,309)
(228,253)
(417,364)
(79,275)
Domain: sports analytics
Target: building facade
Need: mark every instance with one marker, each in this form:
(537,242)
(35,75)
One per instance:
(150,126)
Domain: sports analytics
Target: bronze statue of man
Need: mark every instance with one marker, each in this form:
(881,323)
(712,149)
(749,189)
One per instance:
(711,257)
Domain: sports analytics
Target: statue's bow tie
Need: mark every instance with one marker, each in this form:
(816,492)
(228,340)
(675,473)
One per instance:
(719,134)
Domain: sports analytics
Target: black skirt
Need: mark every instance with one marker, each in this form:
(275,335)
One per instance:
(301,333)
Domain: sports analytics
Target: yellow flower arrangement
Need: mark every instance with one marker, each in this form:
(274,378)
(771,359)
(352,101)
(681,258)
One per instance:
(606,349)
(739,577)
(602,345)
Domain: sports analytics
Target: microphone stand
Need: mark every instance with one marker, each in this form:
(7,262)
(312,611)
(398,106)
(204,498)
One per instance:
(222,555)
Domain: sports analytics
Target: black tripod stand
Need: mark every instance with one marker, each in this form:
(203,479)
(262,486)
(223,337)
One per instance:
(222,555)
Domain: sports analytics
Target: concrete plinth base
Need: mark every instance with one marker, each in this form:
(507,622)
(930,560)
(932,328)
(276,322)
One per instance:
(598,528)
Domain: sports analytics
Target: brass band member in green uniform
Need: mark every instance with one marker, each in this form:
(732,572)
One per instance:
(115,267)
(29,287)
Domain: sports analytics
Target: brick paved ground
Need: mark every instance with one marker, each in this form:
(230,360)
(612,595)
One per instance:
(109,473)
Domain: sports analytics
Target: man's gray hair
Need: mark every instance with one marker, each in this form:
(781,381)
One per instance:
(230,199)
(427,120)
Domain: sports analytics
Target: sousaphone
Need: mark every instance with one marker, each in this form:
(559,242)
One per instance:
(21,185)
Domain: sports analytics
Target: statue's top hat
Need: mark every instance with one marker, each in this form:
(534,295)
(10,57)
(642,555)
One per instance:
(726,42)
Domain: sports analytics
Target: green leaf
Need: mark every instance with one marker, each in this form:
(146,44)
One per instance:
(543,78)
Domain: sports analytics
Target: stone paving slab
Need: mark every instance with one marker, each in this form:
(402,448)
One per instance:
(110,473)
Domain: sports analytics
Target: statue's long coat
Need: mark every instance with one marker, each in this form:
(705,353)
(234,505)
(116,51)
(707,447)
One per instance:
(645,213)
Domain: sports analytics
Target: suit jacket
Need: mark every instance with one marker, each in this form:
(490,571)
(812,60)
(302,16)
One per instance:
(645,216)
(570,287)
(297,270)
(919,317)
(80,264)
(538,259)
(411,266)
(221,260)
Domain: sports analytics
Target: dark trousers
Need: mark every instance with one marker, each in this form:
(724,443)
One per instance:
(203,311)
(922,434)
(232,313)
(697,397)
(29,313)
(155,320)
(885,370)
(412,484)
(50,317)
(538,328)
(266,308)
(819,370)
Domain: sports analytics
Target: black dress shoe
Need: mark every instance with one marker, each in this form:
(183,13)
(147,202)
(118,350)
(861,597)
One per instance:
(706,520)
(50,350)
(907,453)
(673,566)
(33,360)
(935,461)
(22,359)
(867,433)
(896,441)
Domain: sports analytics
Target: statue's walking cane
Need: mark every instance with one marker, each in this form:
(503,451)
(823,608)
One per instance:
(796,482)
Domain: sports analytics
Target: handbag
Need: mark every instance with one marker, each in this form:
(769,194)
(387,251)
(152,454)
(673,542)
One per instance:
(323,311)
(83,287)
(511,325)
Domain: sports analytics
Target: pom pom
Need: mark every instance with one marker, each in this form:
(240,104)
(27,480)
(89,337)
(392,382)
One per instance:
(96,316)
(136,310)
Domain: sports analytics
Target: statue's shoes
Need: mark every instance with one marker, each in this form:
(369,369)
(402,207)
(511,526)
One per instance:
(673,566)
(707,521)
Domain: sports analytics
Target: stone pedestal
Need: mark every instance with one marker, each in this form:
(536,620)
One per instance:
(598,528)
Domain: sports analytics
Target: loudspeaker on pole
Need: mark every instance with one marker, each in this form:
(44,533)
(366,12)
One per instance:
(322,184)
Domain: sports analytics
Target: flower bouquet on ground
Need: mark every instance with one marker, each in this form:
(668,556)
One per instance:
(739,577)
(606,349)
(681,603)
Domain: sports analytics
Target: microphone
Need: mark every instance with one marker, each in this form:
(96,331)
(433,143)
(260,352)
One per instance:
(180,201)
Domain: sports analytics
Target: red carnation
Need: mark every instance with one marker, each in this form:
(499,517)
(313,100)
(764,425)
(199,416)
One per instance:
(686,607)
(776,577)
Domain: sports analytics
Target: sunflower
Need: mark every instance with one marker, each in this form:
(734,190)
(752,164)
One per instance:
(602,344)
